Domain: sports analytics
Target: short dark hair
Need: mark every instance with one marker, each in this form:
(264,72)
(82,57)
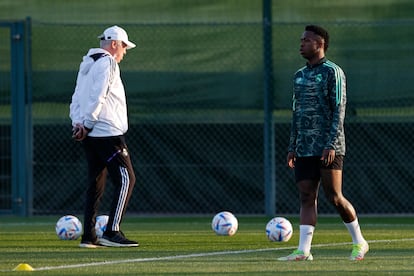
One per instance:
(321,32)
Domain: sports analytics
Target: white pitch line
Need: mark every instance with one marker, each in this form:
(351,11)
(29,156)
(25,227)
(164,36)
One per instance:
(196,255)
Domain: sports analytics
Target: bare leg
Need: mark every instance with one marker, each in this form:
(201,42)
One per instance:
(308,190)
(332,186)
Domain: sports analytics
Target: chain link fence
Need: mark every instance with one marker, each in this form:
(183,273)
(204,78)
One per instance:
(195,95)
(5,130)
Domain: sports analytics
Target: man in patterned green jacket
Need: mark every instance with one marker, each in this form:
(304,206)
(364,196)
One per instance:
(317,142)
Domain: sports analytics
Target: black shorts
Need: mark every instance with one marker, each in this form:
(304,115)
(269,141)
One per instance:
(310,167)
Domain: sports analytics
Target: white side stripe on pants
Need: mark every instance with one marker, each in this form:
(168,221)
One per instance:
(122,198)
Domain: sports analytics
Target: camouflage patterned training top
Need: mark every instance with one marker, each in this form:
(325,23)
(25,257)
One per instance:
(319,101)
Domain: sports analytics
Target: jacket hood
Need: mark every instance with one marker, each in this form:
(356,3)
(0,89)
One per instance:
(87,61)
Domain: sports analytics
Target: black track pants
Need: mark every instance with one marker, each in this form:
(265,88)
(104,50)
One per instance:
(107,155)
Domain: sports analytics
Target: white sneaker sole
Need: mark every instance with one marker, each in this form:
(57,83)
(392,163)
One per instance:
(291,259)
(89,245)
(106,242)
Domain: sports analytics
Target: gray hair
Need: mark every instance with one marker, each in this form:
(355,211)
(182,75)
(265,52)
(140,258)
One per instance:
(105,43)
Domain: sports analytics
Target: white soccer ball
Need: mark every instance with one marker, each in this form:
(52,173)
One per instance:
(225,224)
(100,225)
(279,229)
(68,228)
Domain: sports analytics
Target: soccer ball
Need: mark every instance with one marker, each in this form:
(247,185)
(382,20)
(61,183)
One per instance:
(225,224)
(100,225)
(68,228)
(279,229)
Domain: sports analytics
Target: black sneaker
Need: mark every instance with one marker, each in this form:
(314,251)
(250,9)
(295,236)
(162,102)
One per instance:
(116,239)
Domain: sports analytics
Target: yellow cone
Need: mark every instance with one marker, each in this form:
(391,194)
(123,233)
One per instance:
(23,267)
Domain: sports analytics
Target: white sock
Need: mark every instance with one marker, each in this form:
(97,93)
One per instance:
(305,238)
(355,231)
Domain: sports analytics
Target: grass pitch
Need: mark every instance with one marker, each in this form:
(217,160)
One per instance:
(188,246)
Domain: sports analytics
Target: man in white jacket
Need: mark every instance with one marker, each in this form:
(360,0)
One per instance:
(99,119)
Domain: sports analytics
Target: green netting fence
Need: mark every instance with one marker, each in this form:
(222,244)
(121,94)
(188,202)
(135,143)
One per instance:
(195,94)
(195,91)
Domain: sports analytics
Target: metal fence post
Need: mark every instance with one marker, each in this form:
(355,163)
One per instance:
(269,135)
(21,122)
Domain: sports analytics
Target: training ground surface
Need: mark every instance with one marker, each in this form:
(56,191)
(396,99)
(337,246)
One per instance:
(188,246)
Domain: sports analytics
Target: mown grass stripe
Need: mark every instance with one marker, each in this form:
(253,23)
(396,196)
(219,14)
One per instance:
(198,255)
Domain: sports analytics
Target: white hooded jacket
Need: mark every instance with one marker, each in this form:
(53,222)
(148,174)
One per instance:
(99,101)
